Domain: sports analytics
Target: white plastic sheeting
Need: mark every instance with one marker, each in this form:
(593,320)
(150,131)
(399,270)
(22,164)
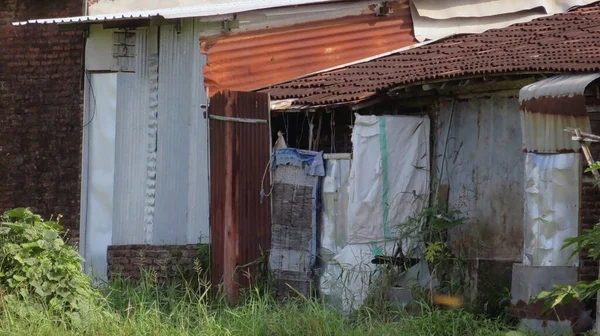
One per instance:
(334,205)
(551,208)
(390,167)
(437,19)
(389,179)
(347,269)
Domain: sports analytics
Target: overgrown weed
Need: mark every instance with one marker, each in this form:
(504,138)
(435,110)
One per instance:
(154,308)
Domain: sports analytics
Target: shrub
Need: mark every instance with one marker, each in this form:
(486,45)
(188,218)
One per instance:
(37,266)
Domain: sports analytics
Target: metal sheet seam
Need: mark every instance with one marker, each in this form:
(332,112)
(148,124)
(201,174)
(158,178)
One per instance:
(153,137)
(370,58)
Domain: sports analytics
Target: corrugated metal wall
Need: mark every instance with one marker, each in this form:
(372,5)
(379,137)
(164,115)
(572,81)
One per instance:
(182,170)
(198,193)
(131,143)
(161,168)
(259,58)
(484,168)
(240,222)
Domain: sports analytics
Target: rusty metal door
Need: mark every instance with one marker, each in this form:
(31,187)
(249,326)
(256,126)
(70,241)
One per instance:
(240,221)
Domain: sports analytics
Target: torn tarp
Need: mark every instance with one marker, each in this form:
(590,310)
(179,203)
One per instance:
(366,201)
(311,162)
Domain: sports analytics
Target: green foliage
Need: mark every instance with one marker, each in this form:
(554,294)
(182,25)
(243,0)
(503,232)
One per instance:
(37,266)
(433,250)
(593,167)
(566,294)
(149,308)
(204,258)
(588,242)
(430,226)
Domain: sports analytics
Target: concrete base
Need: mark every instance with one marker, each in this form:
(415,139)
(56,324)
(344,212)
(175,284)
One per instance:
(528,281)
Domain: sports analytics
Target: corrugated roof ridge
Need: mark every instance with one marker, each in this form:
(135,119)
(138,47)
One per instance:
(550,39)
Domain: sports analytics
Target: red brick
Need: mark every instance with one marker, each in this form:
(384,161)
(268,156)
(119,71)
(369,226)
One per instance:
(166,260)
(40,130)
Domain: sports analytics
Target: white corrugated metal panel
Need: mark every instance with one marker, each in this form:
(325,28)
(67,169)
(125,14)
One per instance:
(551,105)
(198,199)
(437,19)
(202,10)
(482,163)
(180,92)
(132,143)
(557,86)
(545,133)
(152,132)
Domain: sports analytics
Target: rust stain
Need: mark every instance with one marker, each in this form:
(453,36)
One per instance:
(240,223)
(544,45)
(573,105)
(260,58)
(537,310)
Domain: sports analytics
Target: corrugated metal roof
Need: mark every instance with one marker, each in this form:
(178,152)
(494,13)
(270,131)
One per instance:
(565,42)
(203,10)
(550,106)
(256,59)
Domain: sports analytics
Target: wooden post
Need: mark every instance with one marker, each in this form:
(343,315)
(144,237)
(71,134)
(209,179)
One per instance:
(583,139)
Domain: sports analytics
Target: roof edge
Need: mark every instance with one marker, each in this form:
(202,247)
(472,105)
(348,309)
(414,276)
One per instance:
(178,12)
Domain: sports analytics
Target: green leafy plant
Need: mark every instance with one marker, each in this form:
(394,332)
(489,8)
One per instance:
(433,250)
(37,266)
(587,242)
(431,226)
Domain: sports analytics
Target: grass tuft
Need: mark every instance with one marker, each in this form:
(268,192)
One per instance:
(149,308)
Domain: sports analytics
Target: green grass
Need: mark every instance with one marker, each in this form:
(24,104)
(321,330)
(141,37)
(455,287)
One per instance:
(149,309)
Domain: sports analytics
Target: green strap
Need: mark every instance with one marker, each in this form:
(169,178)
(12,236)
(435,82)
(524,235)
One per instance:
(376,250)
(384,192)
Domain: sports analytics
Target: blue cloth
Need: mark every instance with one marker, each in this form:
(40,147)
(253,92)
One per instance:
(311,162)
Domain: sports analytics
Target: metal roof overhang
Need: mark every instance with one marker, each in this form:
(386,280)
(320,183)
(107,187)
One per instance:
(176,12)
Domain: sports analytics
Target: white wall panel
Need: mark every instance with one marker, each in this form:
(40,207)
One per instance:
(100,166)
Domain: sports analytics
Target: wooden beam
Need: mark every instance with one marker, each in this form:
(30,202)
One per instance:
(582,136)
(587,153)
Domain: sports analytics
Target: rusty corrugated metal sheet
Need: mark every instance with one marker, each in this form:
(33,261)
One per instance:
(239,154)
(260,58)
(565,42)
(551,105)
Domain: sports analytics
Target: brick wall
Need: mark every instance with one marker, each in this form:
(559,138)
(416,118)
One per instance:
(168,261)
(590,204)
(590,215)
(40,111)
